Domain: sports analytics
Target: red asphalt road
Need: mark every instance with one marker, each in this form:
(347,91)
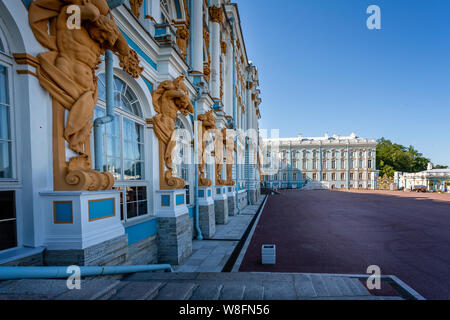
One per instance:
(406,234)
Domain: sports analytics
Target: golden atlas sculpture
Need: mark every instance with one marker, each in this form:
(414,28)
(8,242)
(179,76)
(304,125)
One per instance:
(67,72)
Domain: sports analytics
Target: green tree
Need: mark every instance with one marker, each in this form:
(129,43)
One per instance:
(440,167)
(393,157)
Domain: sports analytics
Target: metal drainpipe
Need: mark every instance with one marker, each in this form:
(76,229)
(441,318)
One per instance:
(199,235)
(109,79)
(99,122)
(16,273)
(231,21)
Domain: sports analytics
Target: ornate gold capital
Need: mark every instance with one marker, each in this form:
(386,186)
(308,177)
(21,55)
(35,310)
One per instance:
(215,14)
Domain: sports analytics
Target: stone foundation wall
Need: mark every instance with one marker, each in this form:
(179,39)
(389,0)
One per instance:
(174,239)
(112,253)
(221,211)
(143,252)
(232,210)
(33,260)
(243,201)
(207,220)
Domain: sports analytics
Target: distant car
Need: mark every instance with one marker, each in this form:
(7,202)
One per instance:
(419,189)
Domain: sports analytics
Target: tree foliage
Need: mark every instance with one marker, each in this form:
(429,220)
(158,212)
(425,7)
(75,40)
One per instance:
(393,157)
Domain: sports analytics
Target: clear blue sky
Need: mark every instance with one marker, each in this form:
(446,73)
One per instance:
(321,70)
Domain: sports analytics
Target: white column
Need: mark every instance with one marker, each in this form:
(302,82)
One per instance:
(197,36)
(154,9)
(215,59)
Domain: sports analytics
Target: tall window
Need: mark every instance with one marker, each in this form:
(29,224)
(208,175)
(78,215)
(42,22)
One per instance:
(181,162)
(8,227)
(333,164)
(324,176)
(342,164)
(304,166)
(123,147)
(294,176)
(369,164)
(6,133)
(324,164)
(314,176)
(342,176)
(333,176)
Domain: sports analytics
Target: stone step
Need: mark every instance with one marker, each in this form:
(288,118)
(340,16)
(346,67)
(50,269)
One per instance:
(92,290)
(253,292)
(133,290)
(208,291)
(319,286)
(356,286)
(232,291)
(176,290)
(303,286)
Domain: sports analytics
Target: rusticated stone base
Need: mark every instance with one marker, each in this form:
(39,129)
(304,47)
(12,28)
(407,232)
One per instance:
(221,211)
(108,253)
(207,221)
(253,196)
(232,209)
(143,252)
(174,239)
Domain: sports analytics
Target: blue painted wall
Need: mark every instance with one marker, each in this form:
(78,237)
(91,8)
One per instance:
(141,231)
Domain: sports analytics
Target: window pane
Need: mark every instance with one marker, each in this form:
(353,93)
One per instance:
(139,170)
(113,166)
(142,193)
(4,90)
(4,122)
(128,170)
(142,205)
(128,152)
(113,128)
(101,91)
(5,160)
(131,210)
(8,237)
(131,194)
(113,147)
(7,205)
(128,129)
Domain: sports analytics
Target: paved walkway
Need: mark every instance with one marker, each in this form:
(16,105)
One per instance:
(406,234)
(195,286)
(212,255)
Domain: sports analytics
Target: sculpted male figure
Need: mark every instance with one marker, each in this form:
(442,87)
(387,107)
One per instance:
(67,71)
(230,149)
(170,98)
(208,122)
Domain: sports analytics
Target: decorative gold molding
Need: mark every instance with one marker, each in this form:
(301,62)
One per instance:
(216,14)
(183,35)
(135,6)
(223,47)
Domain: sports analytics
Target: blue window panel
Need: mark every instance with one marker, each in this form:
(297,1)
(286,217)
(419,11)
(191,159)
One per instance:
(191,212)
(229,189)
(101,209)
(209,193)
(63,212)
(178,8)
(179,199)
(201,193)
(141,231)
(218,191)
(165,200)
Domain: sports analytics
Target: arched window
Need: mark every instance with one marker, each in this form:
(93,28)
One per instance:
(8,228)
(123,147)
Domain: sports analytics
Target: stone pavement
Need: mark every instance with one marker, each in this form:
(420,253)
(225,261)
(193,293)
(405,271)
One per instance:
(197,286)
(211,255)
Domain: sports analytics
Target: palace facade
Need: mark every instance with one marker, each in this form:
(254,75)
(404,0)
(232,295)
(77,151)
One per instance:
(104,112)
(332,162)
(434,180)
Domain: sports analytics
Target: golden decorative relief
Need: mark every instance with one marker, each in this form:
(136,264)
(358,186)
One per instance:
(183,35)
(207,64)
(230,149)
(215,14)
(70,79)
(207,122)
(223,47)
(170,98)
(135,6)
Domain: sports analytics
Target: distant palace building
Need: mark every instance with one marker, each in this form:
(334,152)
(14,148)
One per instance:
(433,179)
(333,162)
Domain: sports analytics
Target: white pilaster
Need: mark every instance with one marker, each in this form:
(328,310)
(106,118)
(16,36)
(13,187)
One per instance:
(197,36)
